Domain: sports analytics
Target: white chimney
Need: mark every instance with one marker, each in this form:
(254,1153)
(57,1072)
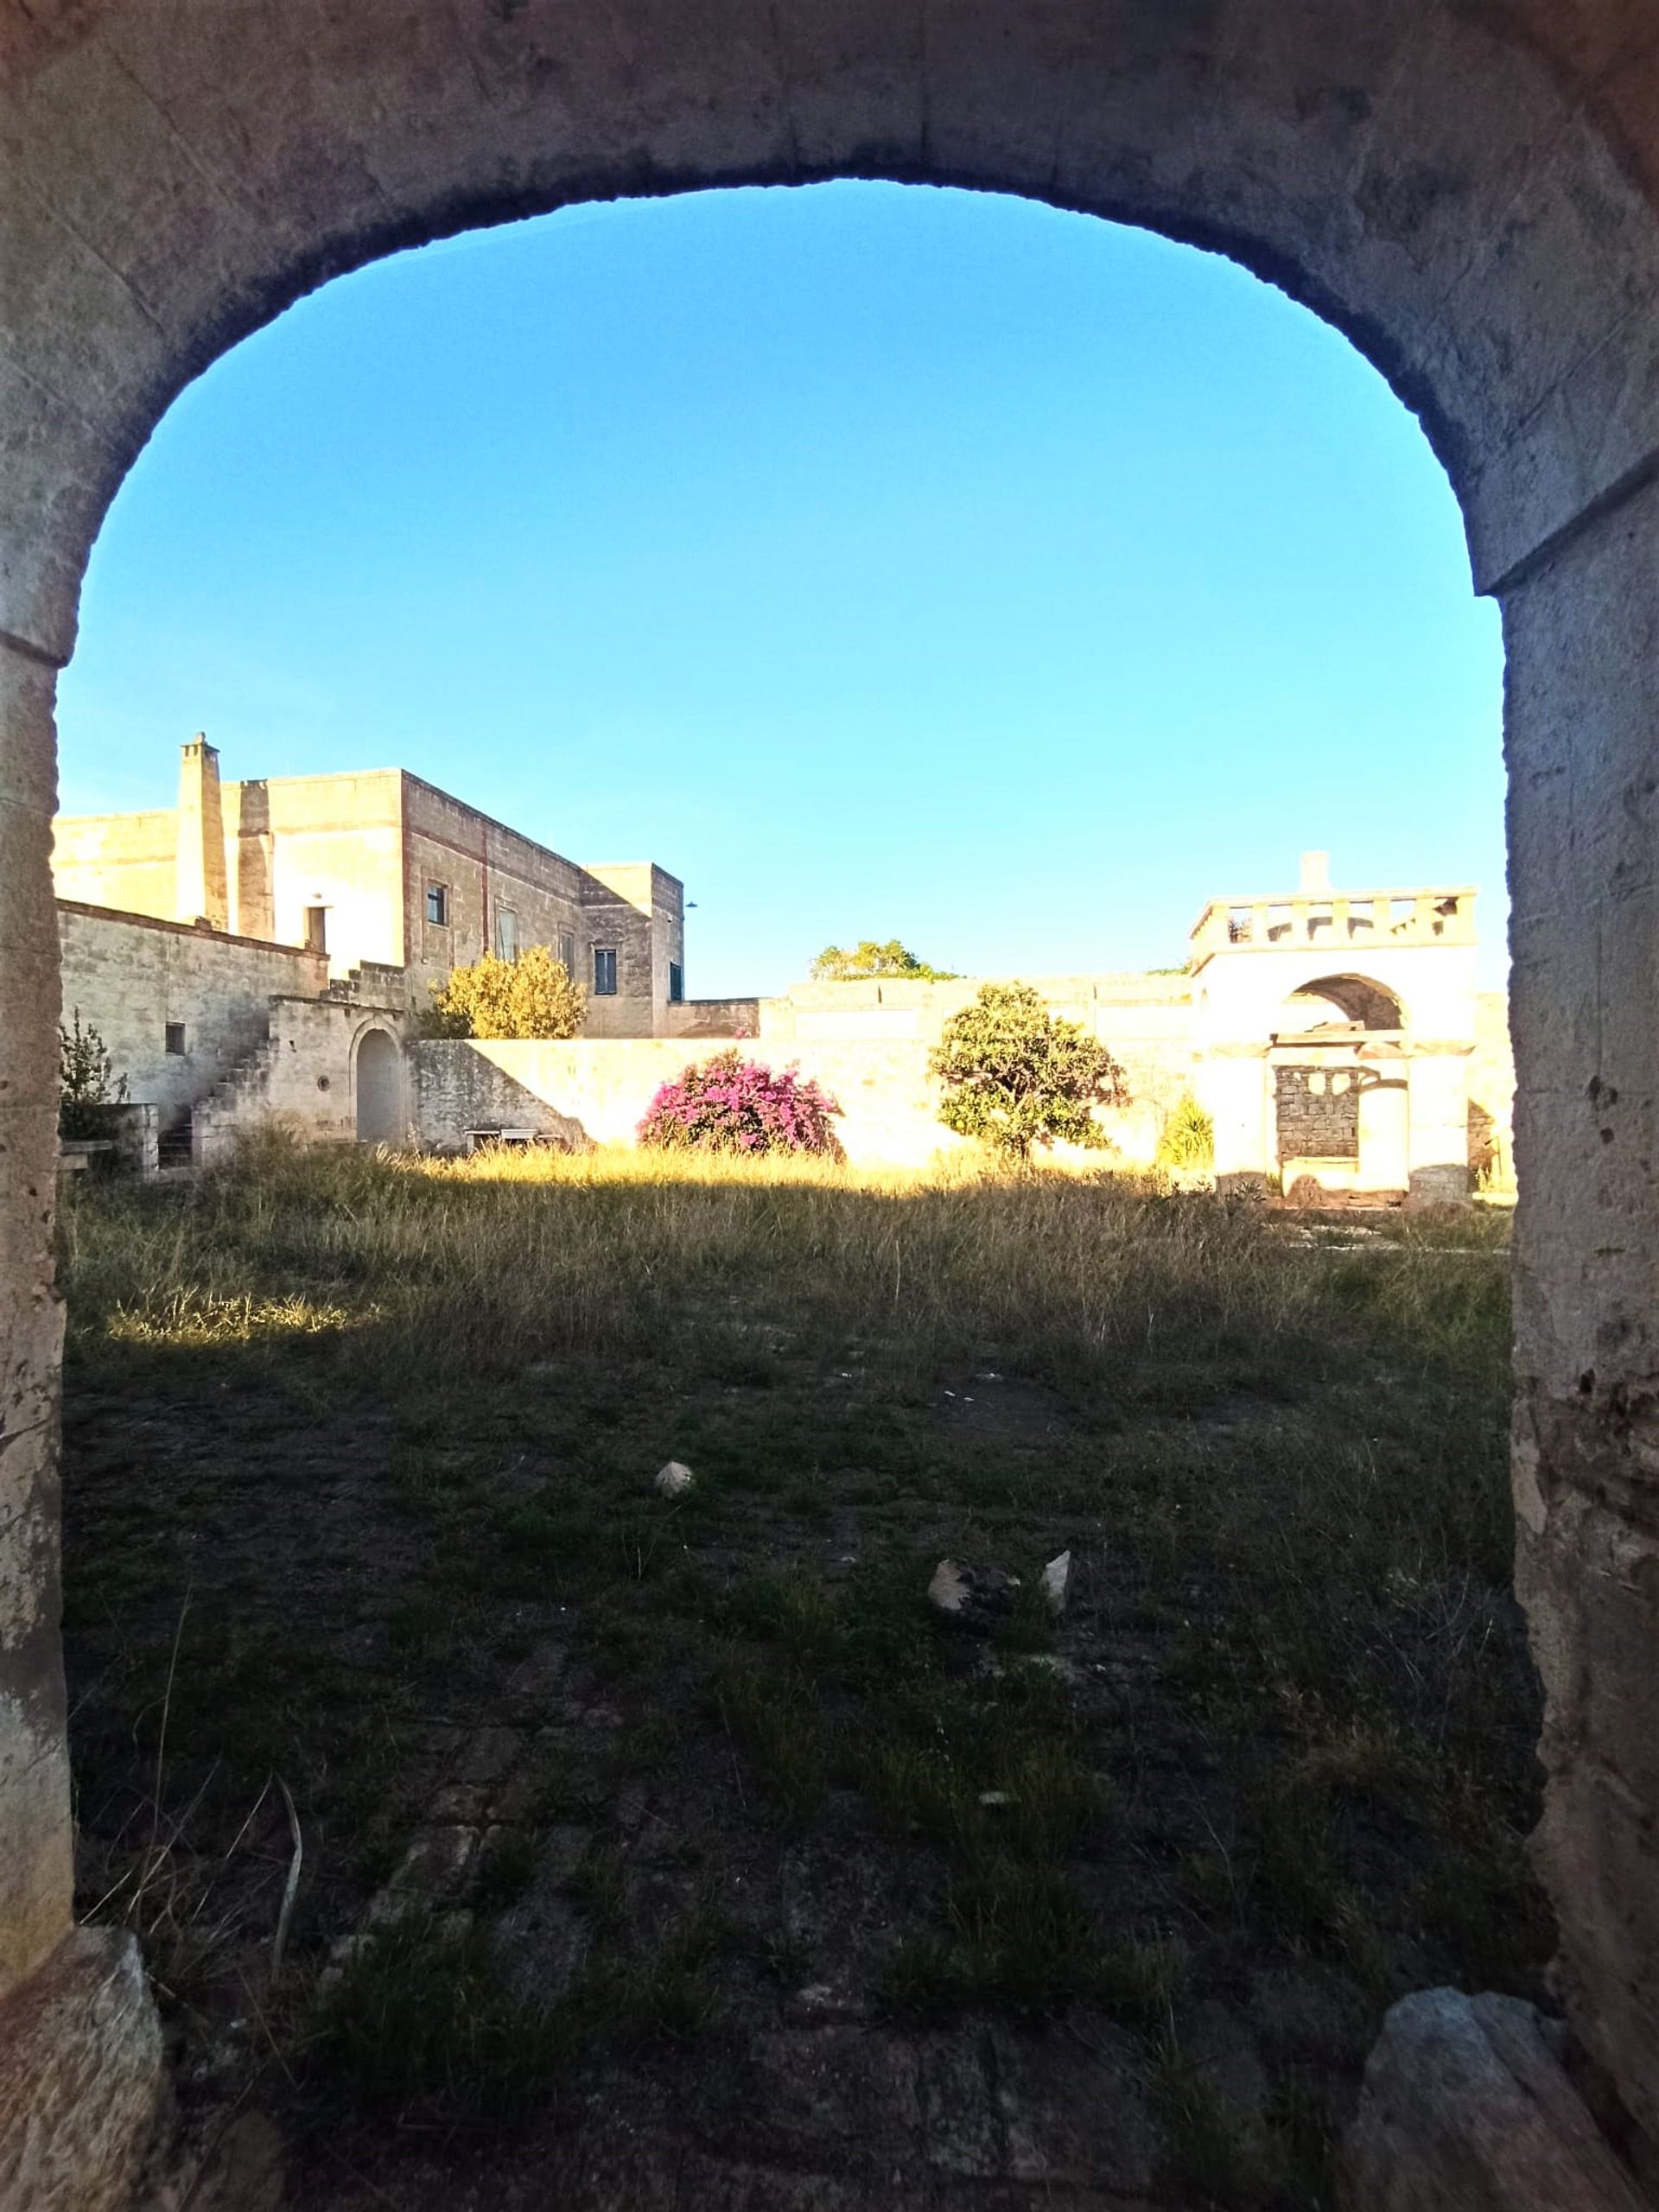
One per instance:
(1316,874)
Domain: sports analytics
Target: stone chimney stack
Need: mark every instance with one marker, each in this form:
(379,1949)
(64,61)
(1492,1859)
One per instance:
(1316,874)
(199,892)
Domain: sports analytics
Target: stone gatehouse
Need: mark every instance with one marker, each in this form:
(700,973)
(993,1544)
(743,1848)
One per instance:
(259,951)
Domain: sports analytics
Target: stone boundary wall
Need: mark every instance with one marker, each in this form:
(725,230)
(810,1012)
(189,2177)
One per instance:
(595,1090)
(130,975)
(715,1017)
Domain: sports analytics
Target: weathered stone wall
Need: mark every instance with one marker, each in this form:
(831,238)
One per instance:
(483,866)
(1583,689)
(714,1018)
(596,1092)
(1161,1039)
(129,976)
(334,841)
(302,1080)
(1144,1020)
(1317,1113)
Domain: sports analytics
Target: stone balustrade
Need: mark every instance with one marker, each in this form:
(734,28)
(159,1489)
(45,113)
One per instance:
(1348,917)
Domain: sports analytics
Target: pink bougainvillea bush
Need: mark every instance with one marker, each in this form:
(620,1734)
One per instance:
(731,1104)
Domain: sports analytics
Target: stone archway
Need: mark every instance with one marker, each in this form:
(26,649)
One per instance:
(1356,999)
(377,1085)
(1467,189)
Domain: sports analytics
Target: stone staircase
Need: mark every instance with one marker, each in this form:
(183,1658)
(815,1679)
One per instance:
(200,1135)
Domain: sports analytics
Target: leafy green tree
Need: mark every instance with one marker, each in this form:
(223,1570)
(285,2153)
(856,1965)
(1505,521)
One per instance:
(1016,1075)
(87,1081)
(839,963)
(530,996)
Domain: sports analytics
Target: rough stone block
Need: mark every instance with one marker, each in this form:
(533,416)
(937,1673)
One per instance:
(81,2078)
(1467,2107)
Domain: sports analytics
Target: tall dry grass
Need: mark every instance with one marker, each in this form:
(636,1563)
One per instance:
(505,1257)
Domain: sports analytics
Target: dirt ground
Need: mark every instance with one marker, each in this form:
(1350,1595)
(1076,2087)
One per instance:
(676,1852)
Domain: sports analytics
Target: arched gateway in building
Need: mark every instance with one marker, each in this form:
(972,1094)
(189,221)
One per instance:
(377,1076)
(1469,191)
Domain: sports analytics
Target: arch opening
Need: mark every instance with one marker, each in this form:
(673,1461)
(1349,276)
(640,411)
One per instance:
(1508,304)
(1356,1002)
(445,898)
(380,1073)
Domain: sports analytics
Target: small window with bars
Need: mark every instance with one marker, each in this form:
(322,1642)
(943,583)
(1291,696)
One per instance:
(506,933)
(175,1036)
(604,971)
(437,905)
(676,983)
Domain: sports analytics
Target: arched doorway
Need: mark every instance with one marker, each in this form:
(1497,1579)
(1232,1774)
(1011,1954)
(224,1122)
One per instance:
(1341,1097)
(379,1088)
(1472,199)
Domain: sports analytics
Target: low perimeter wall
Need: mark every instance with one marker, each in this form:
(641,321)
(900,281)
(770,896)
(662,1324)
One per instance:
(597,1089)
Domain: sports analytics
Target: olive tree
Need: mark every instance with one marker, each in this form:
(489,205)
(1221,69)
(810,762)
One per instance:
(1016,1075)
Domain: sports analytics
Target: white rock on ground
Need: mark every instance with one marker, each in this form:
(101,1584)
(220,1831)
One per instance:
(1055,1576)
(674,1479)
(975,1596)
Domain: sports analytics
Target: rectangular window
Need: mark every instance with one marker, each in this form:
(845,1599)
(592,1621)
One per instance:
(506,933)
(604,971)
(316,929)
(175,1036)
(437,905)
(676,983)
(568,953)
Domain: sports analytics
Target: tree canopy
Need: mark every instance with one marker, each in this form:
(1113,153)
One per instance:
(1016,1075)
(839,964)
(530,996)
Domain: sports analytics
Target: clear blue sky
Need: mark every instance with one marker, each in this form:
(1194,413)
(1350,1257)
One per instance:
(882,561)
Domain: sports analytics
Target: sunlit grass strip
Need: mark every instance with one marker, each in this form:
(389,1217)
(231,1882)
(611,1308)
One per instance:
(188,1315)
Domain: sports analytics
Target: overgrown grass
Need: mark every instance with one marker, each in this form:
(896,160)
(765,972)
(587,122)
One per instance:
(391,1425)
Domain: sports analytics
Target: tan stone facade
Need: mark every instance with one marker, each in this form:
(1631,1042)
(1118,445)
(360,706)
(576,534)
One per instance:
(381,868)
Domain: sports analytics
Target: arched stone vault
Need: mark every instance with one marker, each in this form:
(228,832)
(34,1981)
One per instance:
(1467,188)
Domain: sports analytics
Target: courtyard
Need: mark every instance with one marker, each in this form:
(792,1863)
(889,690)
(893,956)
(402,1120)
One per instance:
(501,1830)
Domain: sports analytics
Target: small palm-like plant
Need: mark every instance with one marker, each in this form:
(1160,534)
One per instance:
(1186,1143)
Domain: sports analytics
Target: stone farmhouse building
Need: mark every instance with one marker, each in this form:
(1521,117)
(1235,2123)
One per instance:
(261,952)
(261,949)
